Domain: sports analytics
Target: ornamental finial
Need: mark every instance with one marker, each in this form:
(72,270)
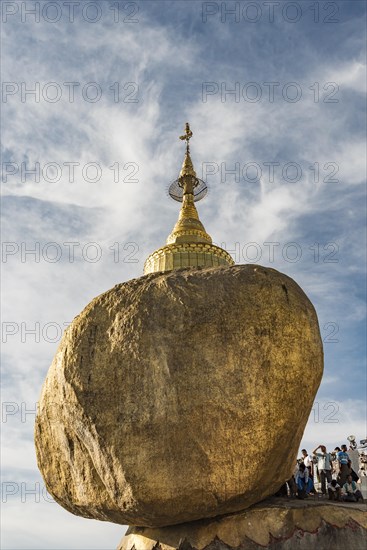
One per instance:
(187,136)
(187,166)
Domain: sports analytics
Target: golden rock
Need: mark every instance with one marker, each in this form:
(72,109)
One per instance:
(180,396)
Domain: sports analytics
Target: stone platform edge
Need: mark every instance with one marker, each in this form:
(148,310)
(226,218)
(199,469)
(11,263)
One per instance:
(269,524)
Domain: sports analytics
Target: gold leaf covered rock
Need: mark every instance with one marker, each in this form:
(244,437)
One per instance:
(179,396)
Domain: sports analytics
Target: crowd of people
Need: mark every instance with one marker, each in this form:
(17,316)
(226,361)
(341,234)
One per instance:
(337,473)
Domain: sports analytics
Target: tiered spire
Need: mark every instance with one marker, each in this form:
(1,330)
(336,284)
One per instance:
(188,245)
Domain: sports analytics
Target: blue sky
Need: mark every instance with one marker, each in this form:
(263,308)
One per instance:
(172,65)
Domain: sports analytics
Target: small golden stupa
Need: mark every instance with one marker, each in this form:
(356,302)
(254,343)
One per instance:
(188,245)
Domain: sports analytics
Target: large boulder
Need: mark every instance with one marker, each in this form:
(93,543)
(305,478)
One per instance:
(179,396)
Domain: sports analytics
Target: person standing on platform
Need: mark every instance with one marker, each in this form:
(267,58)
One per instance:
(344,461)
(308,462)
(335,464)
(324,466)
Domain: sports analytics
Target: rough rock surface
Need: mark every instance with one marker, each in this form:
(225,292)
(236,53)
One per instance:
(169,393)
(273,524)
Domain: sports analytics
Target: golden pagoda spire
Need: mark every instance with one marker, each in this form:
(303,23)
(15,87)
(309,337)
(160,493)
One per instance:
(188,245)
(188,227)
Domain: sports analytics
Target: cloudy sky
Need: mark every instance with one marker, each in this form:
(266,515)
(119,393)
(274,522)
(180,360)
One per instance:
(94,96)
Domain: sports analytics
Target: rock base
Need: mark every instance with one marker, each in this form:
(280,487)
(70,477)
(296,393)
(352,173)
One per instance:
(272,524)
